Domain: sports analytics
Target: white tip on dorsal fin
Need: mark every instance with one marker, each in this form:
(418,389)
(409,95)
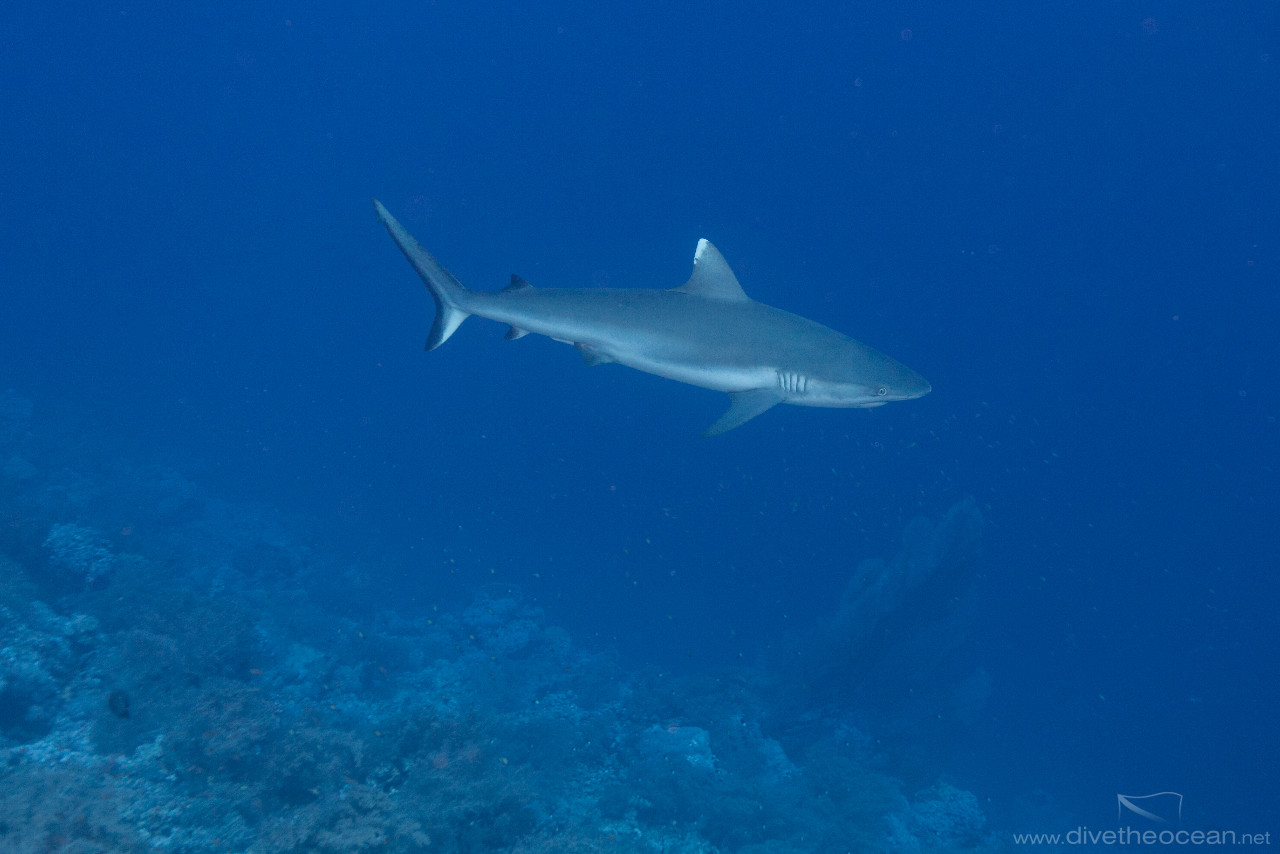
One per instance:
(712,277)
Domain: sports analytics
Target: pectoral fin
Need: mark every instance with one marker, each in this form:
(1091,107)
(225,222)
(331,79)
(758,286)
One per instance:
(743,406)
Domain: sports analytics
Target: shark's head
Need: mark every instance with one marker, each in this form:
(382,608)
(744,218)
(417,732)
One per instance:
(892,380)
(902,383)
(861,377)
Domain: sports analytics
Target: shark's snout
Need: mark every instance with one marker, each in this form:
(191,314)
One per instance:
(897,381)
(916,386)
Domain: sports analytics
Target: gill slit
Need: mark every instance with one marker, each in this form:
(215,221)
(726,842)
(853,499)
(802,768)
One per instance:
(793,382)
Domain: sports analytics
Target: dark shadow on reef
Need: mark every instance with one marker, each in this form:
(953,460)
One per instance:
(897,649)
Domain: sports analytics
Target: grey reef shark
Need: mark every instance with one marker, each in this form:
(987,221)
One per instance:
(707,333)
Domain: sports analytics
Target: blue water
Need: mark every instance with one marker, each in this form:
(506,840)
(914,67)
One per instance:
(1065,217)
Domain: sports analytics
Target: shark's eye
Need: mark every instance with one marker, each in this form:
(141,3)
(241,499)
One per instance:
(882,391)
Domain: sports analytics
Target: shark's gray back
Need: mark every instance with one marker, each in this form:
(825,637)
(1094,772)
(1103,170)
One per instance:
(667,324)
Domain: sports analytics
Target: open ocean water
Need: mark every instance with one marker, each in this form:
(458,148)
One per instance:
(273,579)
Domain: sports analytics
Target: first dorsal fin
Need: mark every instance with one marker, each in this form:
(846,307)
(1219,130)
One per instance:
(712,277)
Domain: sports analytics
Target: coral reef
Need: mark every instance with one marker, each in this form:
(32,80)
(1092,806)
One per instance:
(187,685)
(902,627)
(39,653)
(941,818)
(79,552)
(887,601)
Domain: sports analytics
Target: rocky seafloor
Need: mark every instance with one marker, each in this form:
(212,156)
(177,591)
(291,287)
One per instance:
(183,682)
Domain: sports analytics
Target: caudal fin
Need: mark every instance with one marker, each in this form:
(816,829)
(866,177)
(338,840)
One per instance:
(444,286)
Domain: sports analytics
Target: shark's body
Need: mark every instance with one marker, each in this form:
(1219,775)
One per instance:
(707,333)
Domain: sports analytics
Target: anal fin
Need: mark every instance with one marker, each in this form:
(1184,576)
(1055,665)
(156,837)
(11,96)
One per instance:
(515,332)
(591,355)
